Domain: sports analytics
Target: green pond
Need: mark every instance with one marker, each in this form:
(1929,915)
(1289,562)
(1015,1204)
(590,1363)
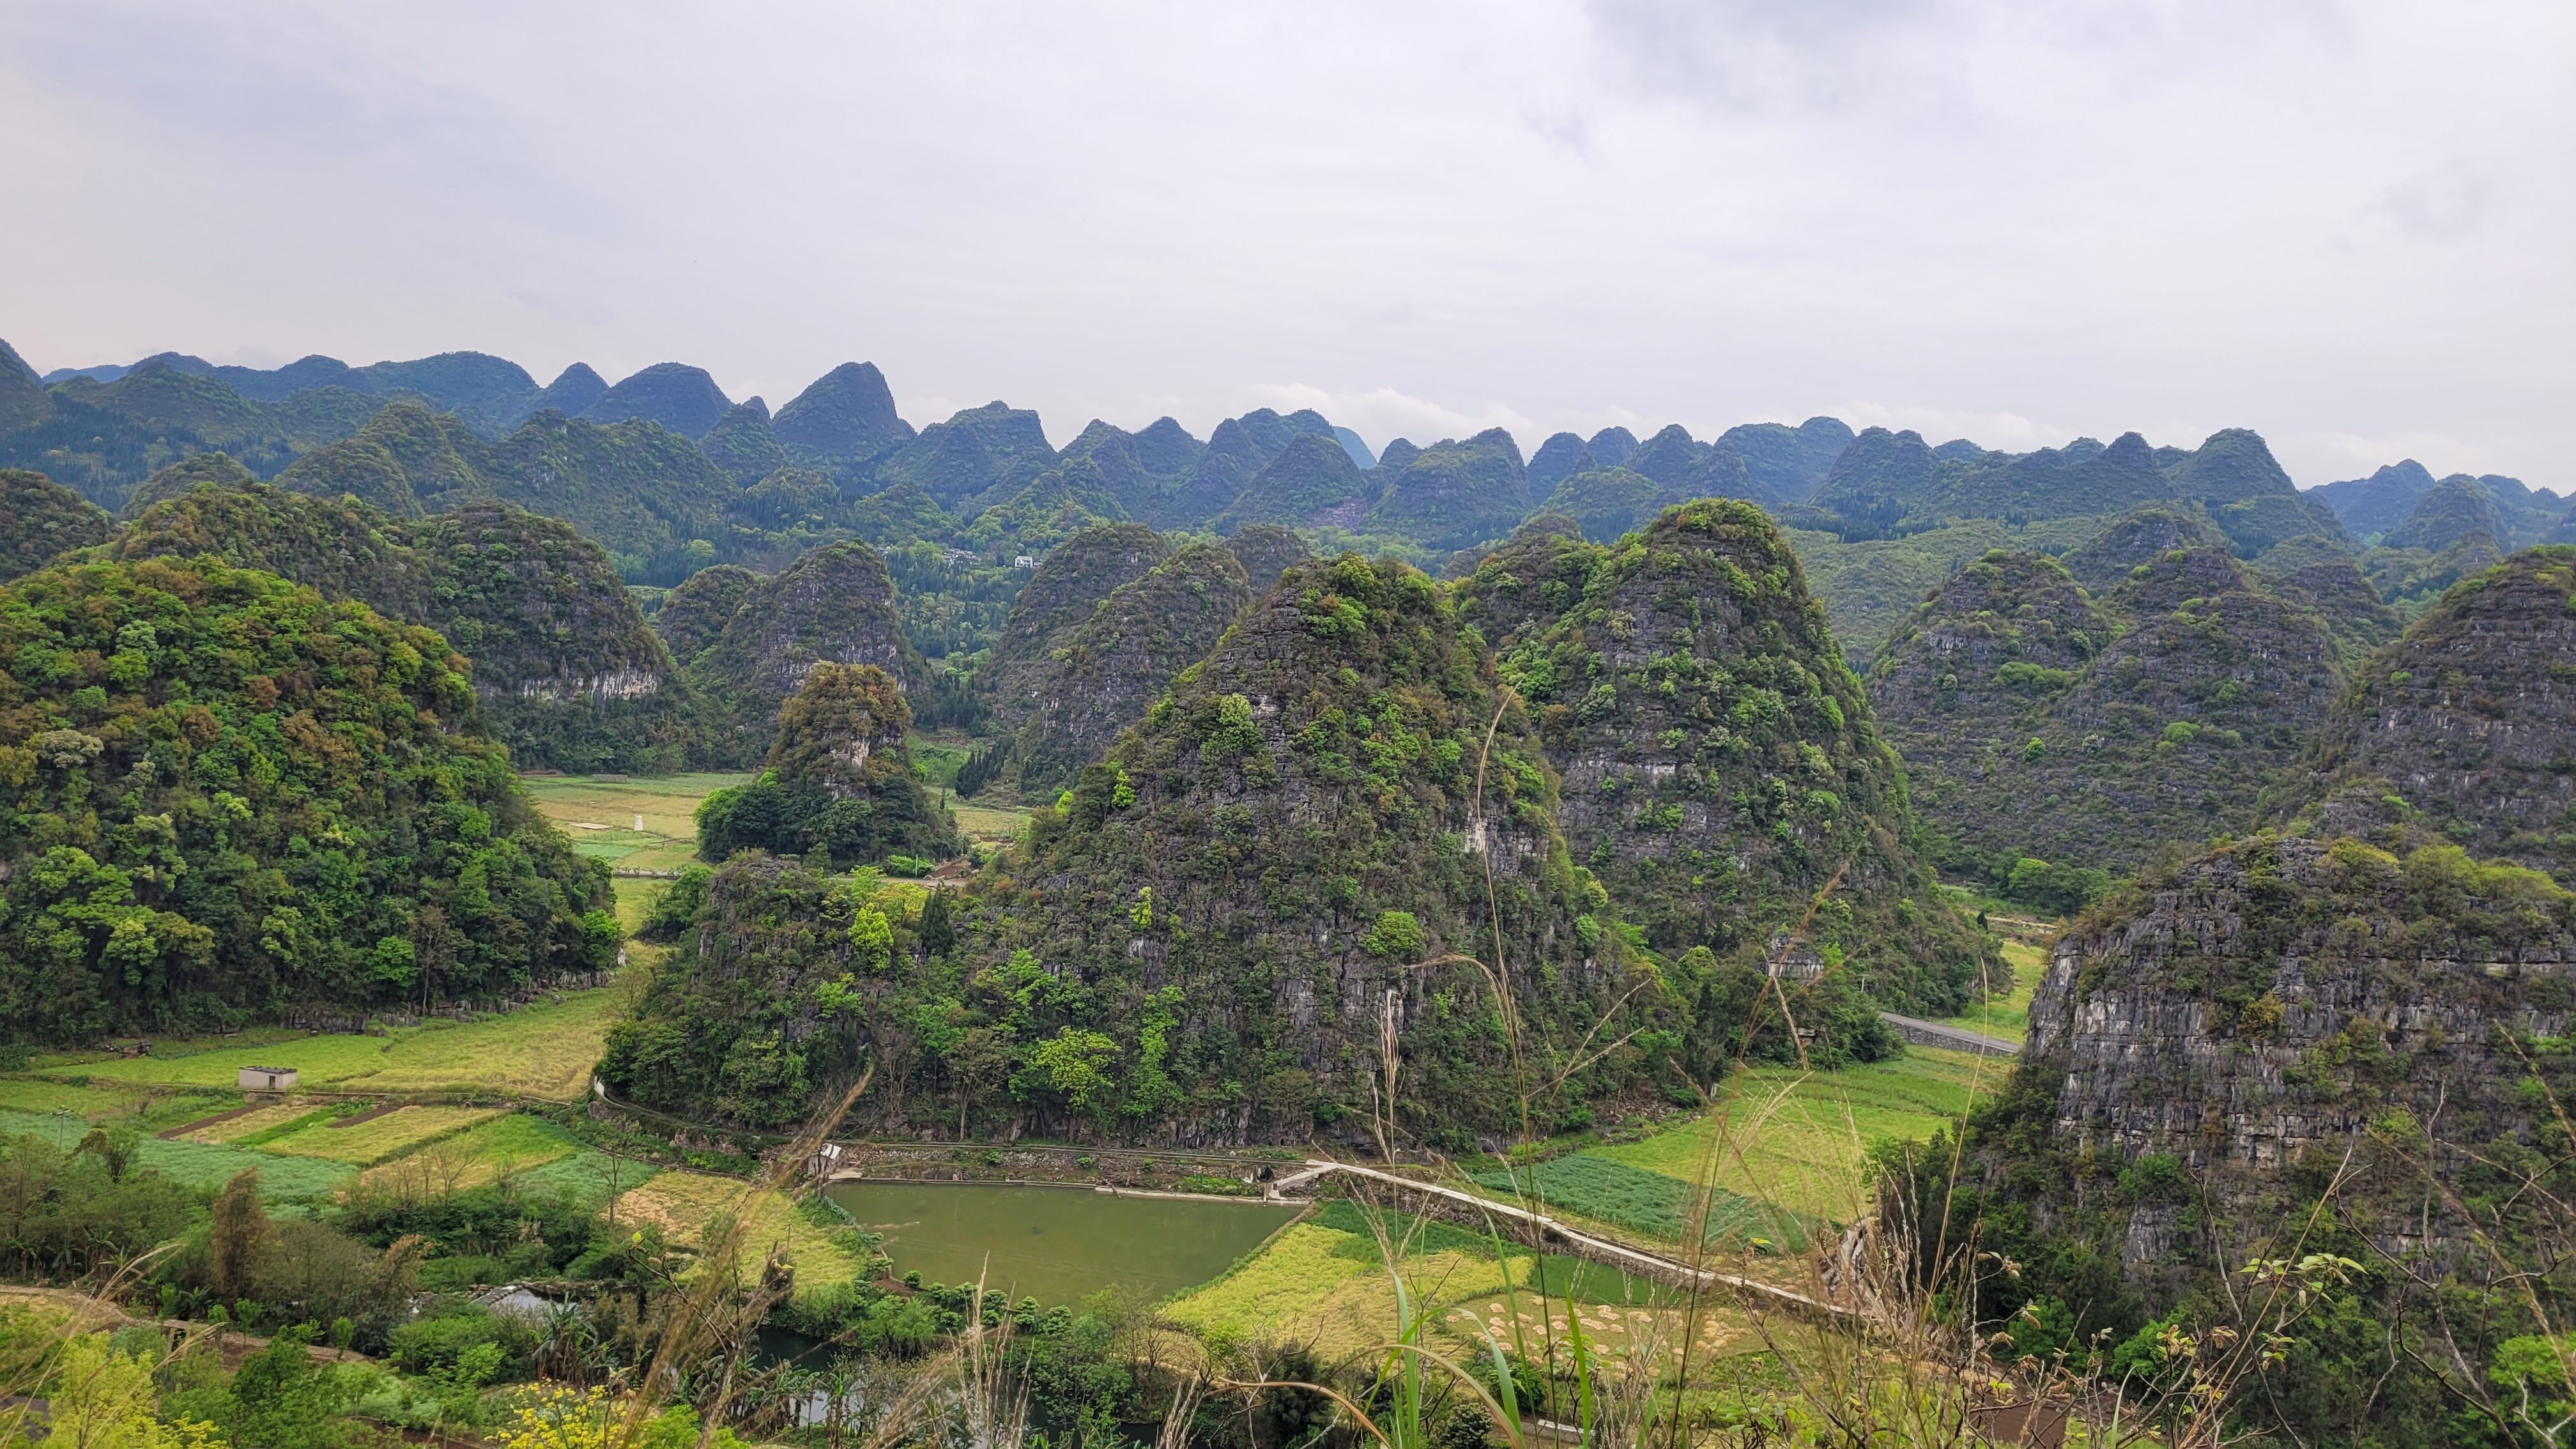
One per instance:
(1056,1244)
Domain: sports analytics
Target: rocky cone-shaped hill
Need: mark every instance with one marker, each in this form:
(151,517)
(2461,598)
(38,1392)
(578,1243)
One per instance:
(199,835)
(1534,579)
(2455,510)
(2155,715)
(2136,540)
(1454,494)
(1721,767)
(1893,483)
(1266,550)
(1312,483)
(836,605)
(1788,463)
(2282,1047)
(843,420)
(2462,728)
(41,519)
(694,612)
(1101,672)
(1235,454)
(838,779)
(985,453)
(23,402)
(743,444)
(677,396)
(1607,502)
(1210,941)
(568,673)
(1051,609)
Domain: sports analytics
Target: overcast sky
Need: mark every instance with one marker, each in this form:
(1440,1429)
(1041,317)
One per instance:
(2351,226)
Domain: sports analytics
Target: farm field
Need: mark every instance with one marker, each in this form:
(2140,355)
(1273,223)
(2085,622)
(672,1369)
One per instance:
(682,1204)
(542,1051)
(601,814)
(2008,1014)
(1802,1140)
(364,1144)
(199,1164)
(1324,1281)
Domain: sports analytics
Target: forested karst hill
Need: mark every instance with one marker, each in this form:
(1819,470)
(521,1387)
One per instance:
(1207,941)
(2038,719)
(198,835)
(568,674)
(1719,761)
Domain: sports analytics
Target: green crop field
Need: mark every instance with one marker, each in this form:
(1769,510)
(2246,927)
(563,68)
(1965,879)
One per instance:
(639,822)
(2007,1015)
(544,1050)
(512,1145)
(1802,1140)
(200,1164)
(143,1106)
(378,1138)
(682,1204)
(1640,1200)
(990,820)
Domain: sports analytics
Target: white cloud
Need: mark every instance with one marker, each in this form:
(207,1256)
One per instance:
(2010,219)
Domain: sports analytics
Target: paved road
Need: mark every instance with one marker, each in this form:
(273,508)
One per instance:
(1934,1034)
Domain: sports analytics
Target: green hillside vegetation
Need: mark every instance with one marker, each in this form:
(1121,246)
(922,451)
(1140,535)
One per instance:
(41,519)
(1266,551)
(568,675)
(1312,482)
(2405,1108)
(1722,770)
(839,779)
(1236,452)
(2154,715)
(226,795)
(1607,502)
(1890,484)
(1204,936)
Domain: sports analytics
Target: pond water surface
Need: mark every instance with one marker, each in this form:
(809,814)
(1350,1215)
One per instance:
(1056,1244)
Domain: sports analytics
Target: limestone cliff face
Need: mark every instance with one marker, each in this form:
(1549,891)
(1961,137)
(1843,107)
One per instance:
(2267,1014)
(2468,722)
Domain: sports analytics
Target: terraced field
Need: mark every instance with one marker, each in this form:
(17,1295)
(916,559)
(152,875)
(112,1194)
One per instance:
(200,1164)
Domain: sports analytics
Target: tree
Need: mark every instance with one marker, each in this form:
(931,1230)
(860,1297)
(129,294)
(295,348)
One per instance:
(239,1240)
(937,936)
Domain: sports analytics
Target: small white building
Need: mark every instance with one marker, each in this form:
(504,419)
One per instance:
(267,1079)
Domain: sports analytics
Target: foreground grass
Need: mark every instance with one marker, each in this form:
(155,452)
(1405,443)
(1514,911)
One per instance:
(1802,1141)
